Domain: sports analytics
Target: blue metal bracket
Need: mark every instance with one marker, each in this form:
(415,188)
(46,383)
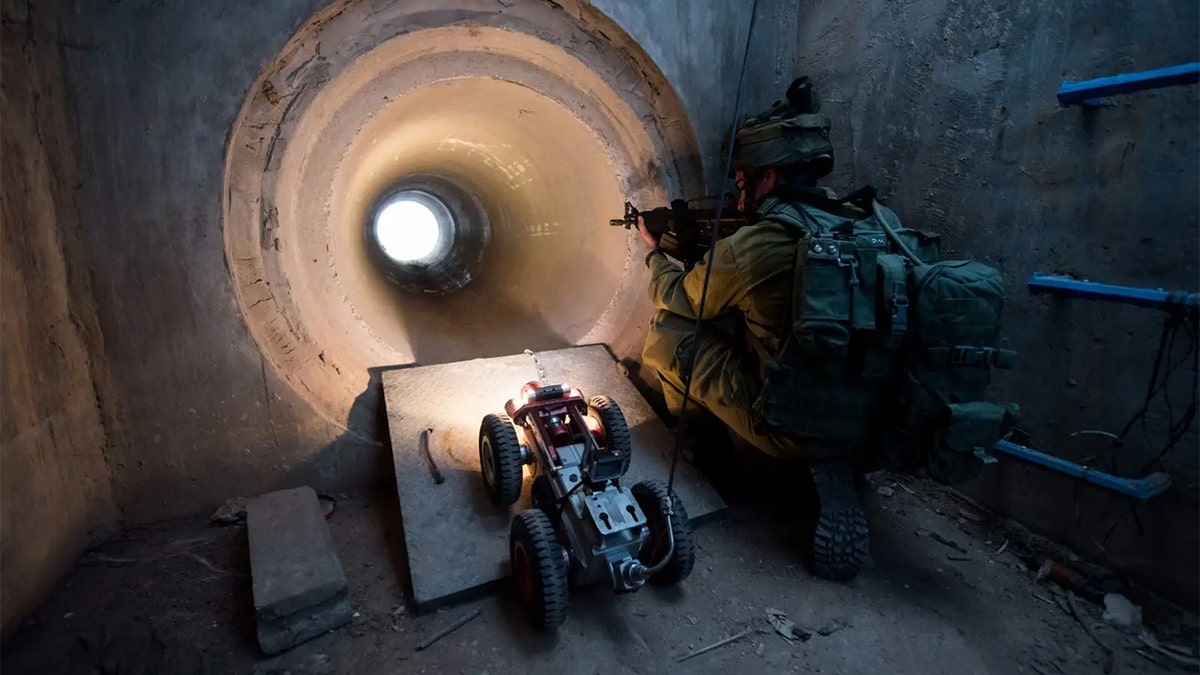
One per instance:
(1141,489)
(1089,290)
(1088,91)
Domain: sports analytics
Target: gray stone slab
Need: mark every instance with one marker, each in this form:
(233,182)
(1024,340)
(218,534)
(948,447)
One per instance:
(299,586)
(457,539)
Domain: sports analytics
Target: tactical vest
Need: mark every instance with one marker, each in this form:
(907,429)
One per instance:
(888,345)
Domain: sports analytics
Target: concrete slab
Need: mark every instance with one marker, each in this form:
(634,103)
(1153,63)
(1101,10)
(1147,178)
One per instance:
(457,540)
(300,588)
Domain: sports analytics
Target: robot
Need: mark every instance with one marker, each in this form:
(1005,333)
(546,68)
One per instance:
(584,527)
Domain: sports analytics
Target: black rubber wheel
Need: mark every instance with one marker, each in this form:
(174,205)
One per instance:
(616,430)
(649,495)
(500,459)
(539,568)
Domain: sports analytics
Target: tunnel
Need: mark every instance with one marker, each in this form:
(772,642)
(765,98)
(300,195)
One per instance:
(499,144)
(226,227)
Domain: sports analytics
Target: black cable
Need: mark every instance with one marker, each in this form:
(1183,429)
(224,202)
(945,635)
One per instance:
(716,235)
(1177,430)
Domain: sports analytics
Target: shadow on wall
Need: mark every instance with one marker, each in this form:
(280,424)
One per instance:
(950,109)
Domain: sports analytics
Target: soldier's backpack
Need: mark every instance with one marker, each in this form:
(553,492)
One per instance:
(888,345)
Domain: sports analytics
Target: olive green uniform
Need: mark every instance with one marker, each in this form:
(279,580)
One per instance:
(746,313)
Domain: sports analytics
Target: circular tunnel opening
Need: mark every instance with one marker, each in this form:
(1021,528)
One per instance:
(427,234)
(411,228)
(420,184)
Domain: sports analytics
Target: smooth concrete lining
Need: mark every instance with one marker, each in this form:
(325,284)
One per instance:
(522,113)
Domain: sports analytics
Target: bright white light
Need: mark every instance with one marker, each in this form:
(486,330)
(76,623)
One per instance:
(407,230)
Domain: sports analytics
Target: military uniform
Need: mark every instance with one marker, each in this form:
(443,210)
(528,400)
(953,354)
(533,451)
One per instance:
(747,318)
(746,314)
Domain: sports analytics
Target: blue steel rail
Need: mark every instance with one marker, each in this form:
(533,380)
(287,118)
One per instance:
(1141,489)
(1129,295)
(1088,91)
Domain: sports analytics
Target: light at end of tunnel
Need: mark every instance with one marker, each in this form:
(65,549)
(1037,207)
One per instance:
(407,230)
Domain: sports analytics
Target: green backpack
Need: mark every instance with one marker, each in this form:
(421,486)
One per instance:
(888,345)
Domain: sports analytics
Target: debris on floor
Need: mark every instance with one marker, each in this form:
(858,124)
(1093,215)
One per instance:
(232,512)
(909,611)
(1119,611)
(458,623)
(300,589)
(784,626)
(716,645)
(833,627)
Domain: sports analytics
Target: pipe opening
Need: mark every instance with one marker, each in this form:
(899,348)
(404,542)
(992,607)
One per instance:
(408,231)
(426,234)
(424,187)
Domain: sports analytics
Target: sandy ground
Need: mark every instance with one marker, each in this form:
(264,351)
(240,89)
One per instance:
(936,597)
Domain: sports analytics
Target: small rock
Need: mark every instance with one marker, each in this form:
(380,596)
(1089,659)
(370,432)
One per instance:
(833,627)
(231,512)
(1071,382)
(886,491)
(1119,611)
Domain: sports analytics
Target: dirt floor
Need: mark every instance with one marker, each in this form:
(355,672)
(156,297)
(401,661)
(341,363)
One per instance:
(938,596)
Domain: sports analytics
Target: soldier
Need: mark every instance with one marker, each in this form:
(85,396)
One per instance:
(781,153)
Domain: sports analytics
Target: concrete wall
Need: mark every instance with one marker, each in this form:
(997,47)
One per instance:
(949,108)
(55,494)
(157,88)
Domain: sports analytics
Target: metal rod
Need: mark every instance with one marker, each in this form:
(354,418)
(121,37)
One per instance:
(1089,290)
(434,471)
(458,623)
(722,643)
(1141,489)
(1071,93)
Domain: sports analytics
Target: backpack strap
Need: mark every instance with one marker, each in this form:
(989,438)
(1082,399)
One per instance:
(965,355)
(894,290)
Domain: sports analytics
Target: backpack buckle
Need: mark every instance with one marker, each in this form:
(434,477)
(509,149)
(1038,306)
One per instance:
(853,265)
(971,356)
(961,356)
(899,314)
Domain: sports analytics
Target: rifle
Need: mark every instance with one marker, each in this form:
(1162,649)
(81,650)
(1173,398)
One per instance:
(684,229)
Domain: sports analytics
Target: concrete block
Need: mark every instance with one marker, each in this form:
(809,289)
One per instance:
(300,589)
(456,538)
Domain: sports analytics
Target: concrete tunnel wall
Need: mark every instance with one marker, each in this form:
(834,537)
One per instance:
(949,109)
(55,490)
(225,386)
(204,394)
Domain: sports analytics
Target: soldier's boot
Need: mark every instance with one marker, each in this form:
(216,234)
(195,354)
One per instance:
(841,541)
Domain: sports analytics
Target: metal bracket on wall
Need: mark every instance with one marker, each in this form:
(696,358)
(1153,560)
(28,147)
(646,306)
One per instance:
(1141,489)
(1089,290)
(1091,92)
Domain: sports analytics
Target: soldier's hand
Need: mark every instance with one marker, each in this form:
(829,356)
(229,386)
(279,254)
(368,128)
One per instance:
(651,242)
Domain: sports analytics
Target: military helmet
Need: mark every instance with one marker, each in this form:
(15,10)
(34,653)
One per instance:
(792,133)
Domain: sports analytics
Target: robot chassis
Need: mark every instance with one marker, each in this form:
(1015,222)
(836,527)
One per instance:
(584,527)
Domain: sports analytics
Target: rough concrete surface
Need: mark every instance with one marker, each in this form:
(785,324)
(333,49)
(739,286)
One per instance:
(920,606)
(455,537)
(300,589)
(949,109)
(54,483)
(157,88)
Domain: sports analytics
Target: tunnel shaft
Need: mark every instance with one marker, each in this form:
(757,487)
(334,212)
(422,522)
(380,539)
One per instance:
(534,122)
